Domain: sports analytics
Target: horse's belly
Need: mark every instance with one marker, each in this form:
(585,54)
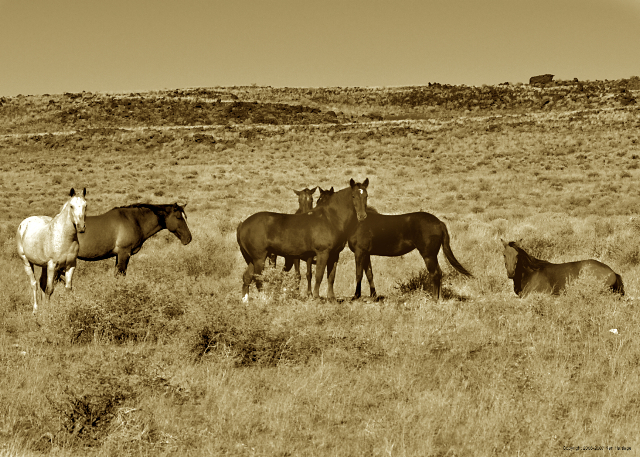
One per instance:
(389,247)
(93,244)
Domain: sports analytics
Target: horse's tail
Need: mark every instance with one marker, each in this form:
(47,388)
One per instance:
(448,253)
(618,286)
(245,254)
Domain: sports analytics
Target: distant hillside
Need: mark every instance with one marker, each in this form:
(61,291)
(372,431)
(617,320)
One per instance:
(301,106)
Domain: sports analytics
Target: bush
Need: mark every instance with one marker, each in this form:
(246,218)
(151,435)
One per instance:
(90,399)
(130,312)
(214,258)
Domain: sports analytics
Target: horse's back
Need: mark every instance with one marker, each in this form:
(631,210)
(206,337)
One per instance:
(555,276)
(32,238)
(600,270)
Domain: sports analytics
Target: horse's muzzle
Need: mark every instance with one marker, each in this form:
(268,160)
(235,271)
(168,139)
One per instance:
(361,217)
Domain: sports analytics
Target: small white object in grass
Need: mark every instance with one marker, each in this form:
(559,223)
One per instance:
(614,331)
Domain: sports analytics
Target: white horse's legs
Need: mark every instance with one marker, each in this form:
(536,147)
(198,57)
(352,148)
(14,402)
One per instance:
(68,278)
(28,267)
(51,277)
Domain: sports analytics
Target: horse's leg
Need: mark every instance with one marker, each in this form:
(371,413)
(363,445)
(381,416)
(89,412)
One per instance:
(68,278)
(122,261)
(309,272)
(360,255)
(272,260)
(258,266)
(434,275)
(247,277)
(332,267)
(369,272)
(321,262)
(28,267)
(47,279)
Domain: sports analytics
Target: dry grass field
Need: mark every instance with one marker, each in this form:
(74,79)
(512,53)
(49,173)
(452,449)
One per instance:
(168,361)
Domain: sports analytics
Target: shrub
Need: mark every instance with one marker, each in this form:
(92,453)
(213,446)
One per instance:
(130,312)
(214,258)
(91,397)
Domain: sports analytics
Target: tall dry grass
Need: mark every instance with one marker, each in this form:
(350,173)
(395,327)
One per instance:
(169,361)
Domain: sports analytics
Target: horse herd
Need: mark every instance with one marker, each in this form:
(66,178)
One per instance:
(313,234)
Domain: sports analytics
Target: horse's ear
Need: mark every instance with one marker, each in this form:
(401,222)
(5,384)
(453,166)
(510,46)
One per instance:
(331,190)
(313,191)
(298,192)
(320,189)
(72,192)
(365,184)
(504,243)
(352,183)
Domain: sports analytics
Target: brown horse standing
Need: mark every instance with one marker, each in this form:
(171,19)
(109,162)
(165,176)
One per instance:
(121,231)
(390,236)
(322,232)
(305,203)
(535,275)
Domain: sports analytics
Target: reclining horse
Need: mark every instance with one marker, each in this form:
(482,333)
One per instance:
(535,275)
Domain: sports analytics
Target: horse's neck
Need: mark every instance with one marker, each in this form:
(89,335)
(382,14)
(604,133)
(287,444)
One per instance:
(342,220)
(303,208)
(522,268)
(62,224)
(150,223)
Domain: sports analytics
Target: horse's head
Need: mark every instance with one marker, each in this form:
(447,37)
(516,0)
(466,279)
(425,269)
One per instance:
(510,258)
(324,196)
(359,197)
(305,198)
(78,206)
(176,223)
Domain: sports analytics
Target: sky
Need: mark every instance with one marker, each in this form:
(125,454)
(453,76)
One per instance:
(57,46)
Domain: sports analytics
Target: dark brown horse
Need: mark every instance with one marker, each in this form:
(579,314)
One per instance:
(535,275)
(391,236)
(122,231)
(322,232)
(305,203)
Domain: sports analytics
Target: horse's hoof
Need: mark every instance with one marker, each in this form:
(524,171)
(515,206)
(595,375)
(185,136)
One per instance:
(245,298)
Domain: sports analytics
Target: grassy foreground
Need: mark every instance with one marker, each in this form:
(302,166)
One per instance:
(169,362)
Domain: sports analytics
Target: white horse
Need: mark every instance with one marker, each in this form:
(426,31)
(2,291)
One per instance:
(52,243)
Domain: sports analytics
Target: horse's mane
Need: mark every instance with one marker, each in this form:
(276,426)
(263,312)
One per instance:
(158,210)
(528,260)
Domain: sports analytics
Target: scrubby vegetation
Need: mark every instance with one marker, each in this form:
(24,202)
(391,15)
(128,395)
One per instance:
(168,360)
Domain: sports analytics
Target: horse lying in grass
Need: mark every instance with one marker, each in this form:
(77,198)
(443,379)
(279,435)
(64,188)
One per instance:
(322,232)
(121,231)
(396,235)
(535,275)
(52,243)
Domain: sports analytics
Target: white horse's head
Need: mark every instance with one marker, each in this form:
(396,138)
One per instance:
(78,206)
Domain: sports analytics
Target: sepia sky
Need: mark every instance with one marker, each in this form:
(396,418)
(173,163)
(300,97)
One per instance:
(56,46)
